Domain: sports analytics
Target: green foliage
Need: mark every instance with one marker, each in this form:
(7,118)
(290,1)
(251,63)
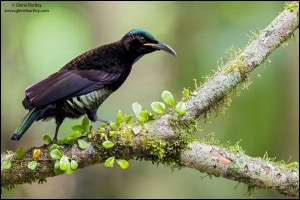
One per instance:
(180,108)
(64,163)
(141,115)
(292,6)
(85,123)
(53,146)
(20,153)
(136,107)
(123,163)
(47,138)
(113,126)
(6,164)
(108,144)
(55,154)
(109,162)
(186,93)
(32,165)
(69,171)
(167,97)
(74,164)
(158,107)
(57,169)
(119,118)
(82,144)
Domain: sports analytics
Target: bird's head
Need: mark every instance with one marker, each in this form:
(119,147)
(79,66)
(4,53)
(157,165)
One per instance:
(140,42)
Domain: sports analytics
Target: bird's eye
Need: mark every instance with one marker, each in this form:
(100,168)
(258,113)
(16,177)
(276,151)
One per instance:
(142,39)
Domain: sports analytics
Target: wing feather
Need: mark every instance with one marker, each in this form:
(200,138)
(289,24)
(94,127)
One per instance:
(67,84)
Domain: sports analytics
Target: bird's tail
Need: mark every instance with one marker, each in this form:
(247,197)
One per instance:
(26,123)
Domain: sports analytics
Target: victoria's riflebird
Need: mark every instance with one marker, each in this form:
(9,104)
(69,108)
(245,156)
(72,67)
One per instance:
(82,85)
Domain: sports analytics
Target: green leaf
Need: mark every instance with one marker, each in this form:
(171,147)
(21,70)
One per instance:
(123,163)
(108,144)
(47,139)
(158,107)
(85,123)
(119,118)
(127,118)
(78,128)
(113,134)
(142,116)
(74,134)
(64,163)
(109,162)
(69,171)
(180,108)
(53,146)
(136,107)
(6,164)
(20,153)
(57,169)
(186,93)
(167,97)
(32,165)
(82,144)
(113,126)
(74,164)
(55,154)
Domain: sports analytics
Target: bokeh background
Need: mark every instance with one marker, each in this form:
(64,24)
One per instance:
(265,117)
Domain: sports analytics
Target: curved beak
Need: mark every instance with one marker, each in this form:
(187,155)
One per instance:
(161,46)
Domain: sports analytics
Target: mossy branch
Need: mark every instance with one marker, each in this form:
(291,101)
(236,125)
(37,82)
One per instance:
(168,139)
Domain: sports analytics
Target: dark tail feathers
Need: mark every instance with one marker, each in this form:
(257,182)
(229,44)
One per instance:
(26,123)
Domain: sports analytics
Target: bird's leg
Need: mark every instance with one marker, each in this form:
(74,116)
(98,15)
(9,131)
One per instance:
(58,123)
(93,117)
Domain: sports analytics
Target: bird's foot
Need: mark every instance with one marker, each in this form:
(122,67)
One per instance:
(107,123)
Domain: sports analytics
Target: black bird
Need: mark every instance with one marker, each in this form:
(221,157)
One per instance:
(82,85)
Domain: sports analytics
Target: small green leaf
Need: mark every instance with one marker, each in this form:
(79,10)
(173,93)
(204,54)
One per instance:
(136,107)
(113,126)
(20,153)
(57,169)
(180,108)
(127,118)
(74,134)
(123,163)
(47,139)
(6,164)
(74,164)
(55,154)
(78,128)
(85,123)
(64,163)
(142,116)
(119,118)
(186,93)
(53,146)
(158,107)
(108,144)
(113,134)
(82,144)
(32,165)
(69,171)
(109,162)
(167,97)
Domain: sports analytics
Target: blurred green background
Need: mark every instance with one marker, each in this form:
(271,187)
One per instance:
(264,118)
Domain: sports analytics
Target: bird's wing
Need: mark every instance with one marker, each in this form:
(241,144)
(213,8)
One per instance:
(65,84)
